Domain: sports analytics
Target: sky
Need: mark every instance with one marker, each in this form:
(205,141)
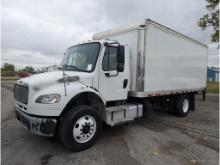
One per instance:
(38,32)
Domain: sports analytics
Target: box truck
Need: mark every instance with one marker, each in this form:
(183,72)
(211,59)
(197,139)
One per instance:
(115,78)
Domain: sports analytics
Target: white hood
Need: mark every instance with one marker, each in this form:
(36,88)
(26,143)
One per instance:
(48,78)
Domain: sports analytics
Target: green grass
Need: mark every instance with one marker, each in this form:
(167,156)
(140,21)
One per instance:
(9,78)
(212,87)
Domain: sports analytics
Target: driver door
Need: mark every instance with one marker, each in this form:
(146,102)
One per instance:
(113,85)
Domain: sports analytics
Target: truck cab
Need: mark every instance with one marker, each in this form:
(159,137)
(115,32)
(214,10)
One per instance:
(92,75)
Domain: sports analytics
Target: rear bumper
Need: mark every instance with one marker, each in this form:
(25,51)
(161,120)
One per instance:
(37,125)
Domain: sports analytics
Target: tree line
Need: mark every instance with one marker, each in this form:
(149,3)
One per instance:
(9,70)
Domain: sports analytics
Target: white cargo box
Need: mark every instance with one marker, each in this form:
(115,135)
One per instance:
(163,61)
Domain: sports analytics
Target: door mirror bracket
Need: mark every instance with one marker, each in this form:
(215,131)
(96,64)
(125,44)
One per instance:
(111,73)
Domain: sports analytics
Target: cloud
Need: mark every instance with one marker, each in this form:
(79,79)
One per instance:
(45,32)
(24,58)
(44,29)
(177,14)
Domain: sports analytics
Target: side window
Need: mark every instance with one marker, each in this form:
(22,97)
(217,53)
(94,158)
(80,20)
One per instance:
(109,61)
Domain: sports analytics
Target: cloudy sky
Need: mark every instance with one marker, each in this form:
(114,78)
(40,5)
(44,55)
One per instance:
(38,32)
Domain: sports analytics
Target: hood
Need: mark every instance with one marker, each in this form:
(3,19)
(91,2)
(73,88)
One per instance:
(48,78)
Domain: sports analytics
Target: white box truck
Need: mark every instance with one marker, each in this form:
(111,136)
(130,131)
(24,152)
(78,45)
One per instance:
(115,78)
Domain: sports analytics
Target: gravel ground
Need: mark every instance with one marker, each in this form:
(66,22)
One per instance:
(158,139)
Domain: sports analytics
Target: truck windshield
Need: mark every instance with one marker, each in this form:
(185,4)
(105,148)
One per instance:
(81,57)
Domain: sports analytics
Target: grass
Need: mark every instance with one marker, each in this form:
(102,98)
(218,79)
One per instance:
(9,78)
(212,87)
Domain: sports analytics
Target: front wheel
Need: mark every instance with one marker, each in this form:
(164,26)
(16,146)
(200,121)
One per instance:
(80,128)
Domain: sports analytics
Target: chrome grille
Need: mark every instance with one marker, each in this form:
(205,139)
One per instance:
(21,93)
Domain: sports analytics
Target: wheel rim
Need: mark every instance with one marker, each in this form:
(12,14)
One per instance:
(84,129)
(185,105)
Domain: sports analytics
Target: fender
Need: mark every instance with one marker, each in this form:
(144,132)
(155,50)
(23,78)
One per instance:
(86,95)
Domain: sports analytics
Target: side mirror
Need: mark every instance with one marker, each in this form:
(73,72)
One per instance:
(120,58)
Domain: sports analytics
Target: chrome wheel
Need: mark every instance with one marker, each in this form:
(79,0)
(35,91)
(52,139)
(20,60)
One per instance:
(84,129)
(185,105)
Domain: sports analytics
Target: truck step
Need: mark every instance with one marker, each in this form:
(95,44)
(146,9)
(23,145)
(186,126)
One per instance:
(116,115)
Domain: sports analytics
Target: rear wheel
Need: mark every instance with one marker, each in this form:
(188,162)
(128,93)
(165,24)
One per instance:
(182,105)
(80,128)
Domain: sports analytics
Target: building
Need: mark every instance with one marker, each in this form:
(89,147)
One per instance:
(213,74)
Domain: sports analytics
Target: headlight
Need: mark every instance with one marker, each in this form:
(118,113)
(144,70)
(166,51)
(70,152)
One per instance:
(48,99)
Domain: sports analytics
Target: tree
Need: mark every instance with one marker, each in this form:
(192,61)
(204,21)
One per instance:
(28,69)
(8,67)
(211,19)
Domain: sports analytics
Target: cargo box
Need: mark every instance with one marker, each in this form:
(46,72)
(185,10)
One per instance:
(163,61)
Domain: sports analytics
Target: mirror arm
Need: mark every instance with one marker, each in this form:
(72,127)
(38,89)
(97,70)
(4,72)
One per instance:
(108,74)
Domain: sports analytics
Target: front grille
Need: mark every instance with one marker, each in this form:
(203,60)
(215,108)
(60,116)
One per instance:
(21,93)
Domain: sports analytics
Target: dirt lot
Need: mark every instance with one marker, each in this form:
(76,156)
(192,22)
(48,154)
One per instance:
(159,139)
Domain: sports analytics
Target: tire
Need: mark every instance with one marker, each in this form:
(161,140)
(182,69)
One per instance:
(80,128)
(183,105)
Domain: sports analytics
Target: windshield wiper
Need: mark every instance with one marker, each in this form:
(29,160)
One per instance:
(75,68)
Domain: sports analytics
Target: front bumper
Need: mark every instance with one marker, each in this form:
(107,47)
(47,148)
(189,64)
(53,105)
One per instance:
(37,125)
